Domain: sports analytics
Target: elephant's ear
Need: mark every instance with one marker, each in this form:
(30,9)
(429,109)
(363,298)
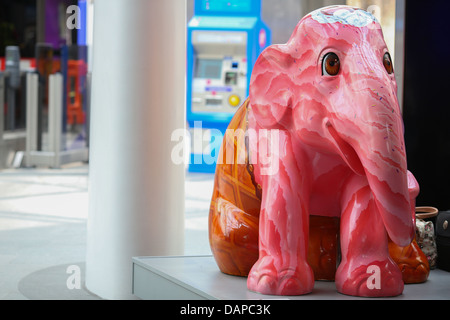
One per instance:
(270,86)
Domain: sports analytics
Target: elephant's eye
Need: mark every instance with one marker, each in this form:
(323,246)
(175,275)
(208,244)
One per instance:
(388,63)
(331,64)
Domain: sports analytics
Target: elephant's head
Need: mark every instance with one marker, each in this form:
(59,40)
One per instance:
(332,86)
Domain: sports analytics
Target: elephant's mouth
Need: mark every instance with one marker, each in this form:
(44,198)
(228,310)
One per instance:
(346,151)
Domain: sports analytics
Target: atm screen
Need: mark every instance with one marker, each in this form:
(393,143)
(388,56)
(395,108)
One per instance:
(208,69)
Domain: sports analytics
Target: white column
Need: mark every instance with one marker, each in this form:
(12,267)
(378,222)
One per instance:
(136,192)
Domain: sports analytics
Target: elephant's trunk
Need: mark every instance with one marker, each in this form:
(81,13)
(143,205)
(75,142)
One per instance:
(385,166)
(392,199)
(372,144)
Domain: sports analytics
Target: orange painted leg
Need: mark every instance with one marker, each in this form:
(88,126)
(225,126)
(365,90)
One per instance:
(323,246)
(412,262)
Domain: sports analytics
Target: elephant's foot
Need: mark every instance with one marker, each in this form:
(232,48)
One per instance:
(376,279)
(267,279)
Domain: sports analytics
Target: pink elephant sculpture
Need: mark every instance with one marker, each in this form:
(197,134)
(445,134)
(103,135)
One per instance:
(322,135)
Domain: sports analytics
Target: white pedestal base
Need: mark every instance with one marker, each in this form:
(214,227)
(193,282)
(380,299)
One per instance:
(198,277)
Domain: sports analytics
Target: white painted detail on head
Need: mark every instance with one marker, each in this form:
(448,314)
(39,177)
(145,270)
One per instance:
(356,18)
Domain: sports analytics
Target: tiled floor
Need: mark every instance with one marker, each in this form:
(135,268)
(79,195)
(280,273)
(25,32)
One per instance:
(43,215)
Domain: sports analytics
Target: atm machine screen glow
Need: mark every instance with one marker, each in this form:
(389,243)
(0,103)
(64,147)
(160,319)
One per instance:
(208,69)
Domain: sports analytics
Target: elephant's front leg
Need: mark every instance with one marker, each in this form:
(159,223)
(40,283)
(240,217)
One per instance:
(282,267)
(366,268)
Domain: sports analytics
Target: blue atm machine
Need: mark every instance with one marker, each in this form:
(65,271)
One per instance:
(225,37)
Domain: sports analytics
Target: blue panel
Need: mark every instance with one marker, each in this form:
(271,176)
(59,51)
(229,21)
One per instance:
(228,7)
(223,22)
(207,162)
(82,32)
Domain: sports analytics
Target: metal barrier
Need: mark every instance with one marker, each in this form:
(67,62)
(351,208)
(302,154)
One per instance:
(2,104)
(55,156)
